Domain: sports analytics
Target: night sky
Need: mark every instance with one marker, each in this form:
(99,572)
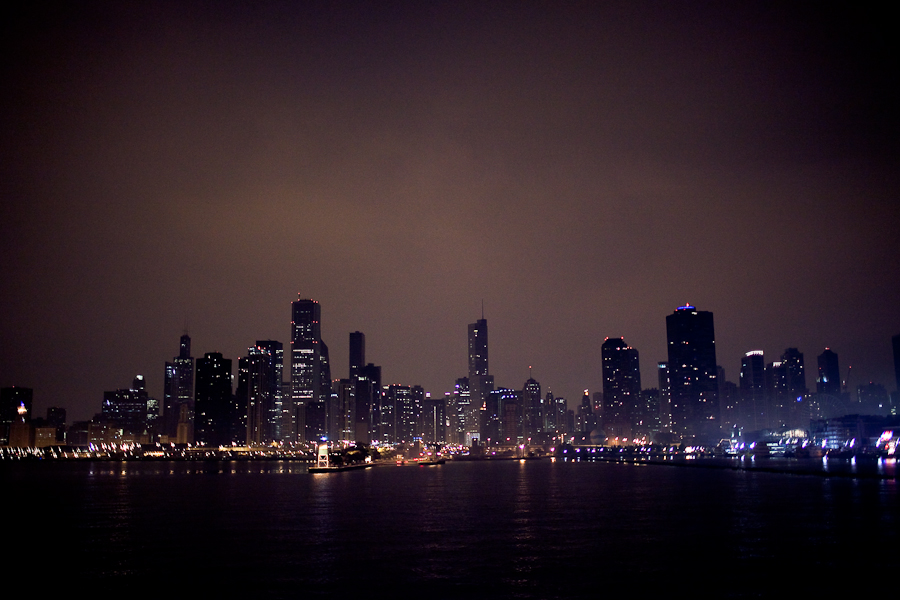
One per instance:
(581,168)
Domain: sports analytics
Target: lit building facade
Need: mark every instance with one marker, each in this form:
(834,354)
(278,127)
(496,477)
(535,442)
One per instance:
(310,370)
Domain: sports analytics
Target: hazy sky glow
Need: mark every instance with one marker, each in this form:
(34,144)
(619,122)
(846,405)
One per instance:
(583,168)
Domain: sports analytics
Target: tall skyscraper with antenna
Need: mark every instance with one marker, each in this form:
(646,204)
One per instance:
(178,395)
(481,383)
(310,370)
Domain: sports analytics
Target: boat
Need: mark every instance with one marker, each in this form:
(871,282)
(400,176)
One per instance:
(434,458)
(323,463)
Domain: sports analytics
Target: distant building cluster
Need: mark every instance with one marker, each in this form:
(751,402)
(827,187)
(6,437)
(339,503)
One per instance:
(206,403)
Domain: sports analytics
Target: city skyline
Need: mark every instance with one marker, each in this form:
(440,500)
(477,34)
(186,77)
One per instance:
(582,170)
(750,380)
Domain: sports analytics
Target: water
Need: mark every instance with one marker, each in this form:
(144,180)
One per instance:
(501,529)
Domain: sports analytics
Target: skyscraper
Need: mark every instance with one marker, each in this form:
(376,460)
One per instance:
(788,402)
(829,378)
(366,379)
(434,420)
(692,366)
(480,382)
(130,408)
(466,422)
(621,388)
(665,396)
(532,411)
(753,391)
(275,352)
(357,352)
(178,395)
(310,373)
(212,400)
(368,403)
(256,392)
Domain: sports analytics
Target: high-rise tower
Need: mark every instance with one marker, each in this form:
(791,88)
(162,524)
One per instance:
(532,410)
(275,351)
(621,388)
(829,379)
(258,390)
(310,370)
(357,352)
(178,396)
(212,423)
(753,412)
(480,382)
(692,366)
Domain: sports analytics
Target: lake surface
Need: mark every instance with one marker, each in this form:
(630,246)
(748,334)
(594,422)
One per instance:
(499,529)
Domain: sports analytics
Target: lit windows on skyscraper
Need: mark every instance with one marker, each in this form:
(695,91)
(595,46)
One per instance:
(691,345)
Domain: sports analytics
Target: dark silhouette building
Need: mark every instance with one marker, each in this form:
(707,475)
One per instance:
(585,420)
(621,389)
(829,378)
(481,383)
(129,409)
(754,414)
(212,400)
(310,370)
(691,344)
(357,352)
(873,399)
(254,406)
(178,395)
(532,411)
(665,397)
(434,419)
(368,402)
(366,380)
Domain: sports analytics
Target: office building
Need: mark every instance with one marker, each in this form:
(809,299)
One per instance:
(254,410)
(828,380)
(275,352)
(368,403)
(753,412)
(481,383)
(464,426)
(621,388)
(178,395)
(665,397)
(310,370)
(357,352)
(434,420)
(690,336)
(532,411)
(212,400)
(129,409)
